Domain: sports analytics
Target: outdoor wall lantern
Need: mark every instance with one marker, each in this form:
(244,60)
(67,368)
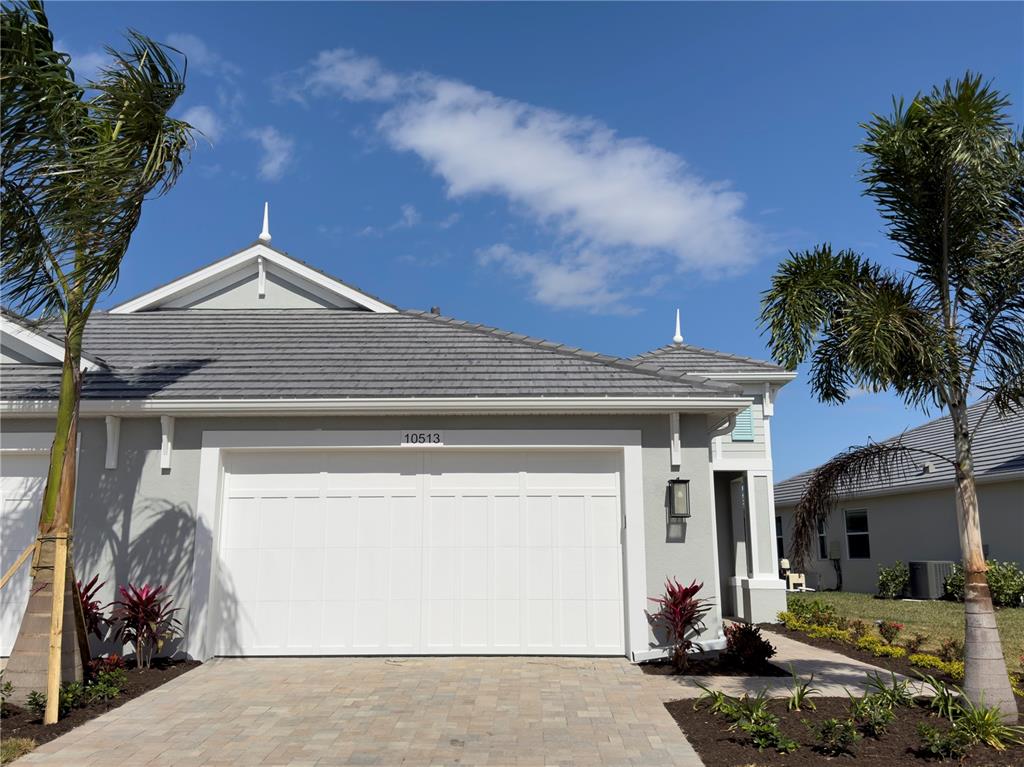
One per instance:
(679,498)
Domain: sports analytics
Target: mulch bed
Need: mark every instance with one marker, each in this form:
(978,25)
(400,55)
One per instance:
(18,723)
(709,735)
(710,666)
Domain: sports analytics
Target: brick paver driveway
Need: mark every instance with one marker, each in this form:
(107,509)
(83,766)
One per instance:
(369,711)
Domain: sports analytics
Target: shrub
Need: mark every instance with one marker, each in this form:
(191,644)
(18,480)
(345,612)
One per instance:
(1005,581)
(72,695)
(914,643)
(837,736)
(746,647)
(873,712)
(96,622)
(107,685)
(829,632)
(880,649)
(6,691)
(815,612)
(764,732)
(984,724)
(953,668)
(893,582)
(954,744)
(143,616)
(945,699)
(889,630)
(952,650)
(858,630)
(896,694)
(108,663)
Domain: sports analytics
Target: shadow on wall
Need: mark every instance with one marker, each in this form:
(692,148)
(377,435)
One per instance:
(146,541)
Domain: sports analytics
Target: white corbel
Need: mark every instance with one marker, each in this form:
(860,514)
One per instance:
(675,444)
(721,430)
(113,440)
(768,403)
(261,280)
(166,441)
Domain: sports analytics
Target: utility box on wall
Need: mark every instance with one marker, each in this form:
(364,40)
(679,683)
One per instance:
(927,578)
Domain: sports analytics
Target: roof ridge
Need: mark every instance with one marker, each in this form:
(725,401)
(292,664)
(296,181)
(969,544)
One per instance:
(573,351)
(716,352)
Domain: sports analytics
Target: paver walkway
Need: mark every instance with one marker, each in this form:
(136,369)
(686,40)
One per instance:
(369,711)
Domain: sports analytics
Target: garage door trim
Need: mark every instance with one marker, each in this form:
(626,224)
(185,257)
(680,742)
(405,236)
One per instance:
(200,640)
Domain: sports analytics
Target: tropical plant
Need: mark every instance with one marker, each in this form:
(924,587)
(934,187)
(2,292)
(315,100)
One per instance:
(143,617)
(952,650)
(800,693)
(896,694)
(951,744)
(107,685)
(764,732)
(681,614)
(96,622)
(944,699)
(837,736)
(746,646)
(717,702)
(78,163)
(874,713)
(816,612)
(858,630)
(915,642)
(894,581)
(890,630)
(985,724)
(947,174)
(6,691)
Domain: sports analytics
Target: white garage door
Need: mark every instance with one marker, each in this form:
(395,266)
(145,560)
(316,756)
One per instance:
(21,496)
(421,552)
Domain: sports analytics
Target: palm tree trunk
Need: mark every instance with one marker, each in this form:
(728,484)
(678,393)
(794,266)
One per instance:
(986,680)
(47,637)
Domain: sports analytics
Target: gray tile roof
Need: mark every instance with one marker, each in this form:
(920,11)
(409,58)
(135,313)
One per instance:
(296,353)
(685,359)
(998,449)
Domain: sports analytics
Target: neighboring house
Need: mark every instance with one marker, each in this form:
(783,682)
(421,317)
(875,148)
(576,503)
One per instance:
(313,471)
(912,517)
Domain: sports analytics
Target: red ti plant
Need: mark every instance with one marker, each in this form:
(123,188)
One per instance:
(144,617)
(95,621)
(681,614)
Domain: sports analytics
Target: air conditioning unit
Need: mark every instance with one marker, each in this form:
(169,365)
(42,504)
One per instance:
(927,578)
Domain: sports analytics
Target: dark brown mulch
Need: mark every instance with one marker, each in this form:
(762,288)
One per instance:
(712,666)
(18,723)
(718,747)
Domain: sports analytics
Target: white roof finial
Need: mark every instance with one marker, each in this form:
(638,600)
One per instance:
(265,234)
(678,337)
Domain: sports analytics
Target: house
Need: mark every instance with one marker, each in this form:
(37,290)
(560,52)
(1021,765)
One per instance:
(311,470)
(911,515)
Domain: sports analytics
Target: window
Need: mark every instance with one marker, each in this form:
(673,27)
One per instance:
(857,544)
(780,545)
(744,429)
(822,540)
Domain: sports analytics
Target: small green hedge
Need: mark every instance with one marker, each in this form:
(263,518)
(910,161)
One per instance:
(893,582)
(1005,581)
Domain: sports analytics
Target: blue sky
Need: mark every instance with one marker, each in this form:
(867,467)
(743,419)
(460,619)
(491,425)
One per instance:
(572,171)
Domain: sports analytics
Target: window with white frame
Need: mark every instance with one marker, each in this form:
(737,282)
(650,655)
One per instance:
(822,540)
(858,544)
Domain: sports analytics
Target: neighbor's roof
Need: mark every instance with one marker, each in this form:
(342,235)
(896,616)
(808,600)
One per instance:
(313,353)
(998,449)
(685,359)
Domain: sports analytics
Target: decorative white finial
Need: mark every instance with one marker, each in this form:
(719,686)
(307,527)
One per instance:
(265,234)
(678,337)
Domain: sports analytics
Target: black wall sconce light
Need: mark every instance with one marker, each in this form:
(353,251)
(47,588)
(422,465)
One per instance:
(679,498)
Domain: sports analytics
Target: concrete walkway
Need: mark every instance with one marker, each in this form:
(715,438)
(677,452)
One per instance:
(834,674)
(369,711)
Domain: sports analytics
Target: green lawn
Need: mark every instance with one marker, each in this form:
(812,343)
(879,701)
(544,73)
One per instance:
(936,619)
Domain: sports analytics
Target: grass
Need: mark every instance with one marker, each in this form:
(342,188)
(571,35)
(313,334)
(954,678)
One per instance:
(12,748)
(937,619)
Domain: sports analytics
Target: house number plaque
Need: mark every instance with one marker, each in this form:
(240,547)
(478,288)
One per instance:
(419,437)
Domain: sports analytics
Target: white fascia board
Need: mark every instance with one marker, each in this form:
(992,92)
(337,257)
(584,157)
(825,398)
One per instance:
(155,297)
(382,406)
(42,344)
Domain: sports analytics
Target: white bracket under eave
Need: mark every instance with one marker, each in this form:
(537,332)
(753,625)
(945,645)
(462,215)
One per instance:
(718,433)
(166,441)
(261,280)
(767,402)
(675,444)
(113,441)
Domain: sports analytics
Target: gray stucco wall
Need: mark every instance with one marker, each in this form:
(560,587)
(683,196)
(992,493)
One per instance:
(137,523)
(917,526)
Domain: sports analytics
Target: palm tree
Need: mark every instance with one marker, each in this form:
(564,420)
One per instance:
(947,174)
(77,165)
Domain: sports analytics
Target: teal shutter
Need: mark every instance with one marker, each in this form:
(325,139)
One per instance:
(744,431)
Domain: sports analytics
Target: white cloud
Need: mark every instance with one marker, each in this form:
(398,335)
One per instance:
(579,281)
(206,120)
(449,221)
(85,64)
(410,217)
(203,57)
(277,152)
(600,193)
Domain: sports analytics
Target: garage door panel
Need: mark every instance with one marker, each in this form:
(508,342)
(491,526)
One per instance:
(21,493)
(426,552)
